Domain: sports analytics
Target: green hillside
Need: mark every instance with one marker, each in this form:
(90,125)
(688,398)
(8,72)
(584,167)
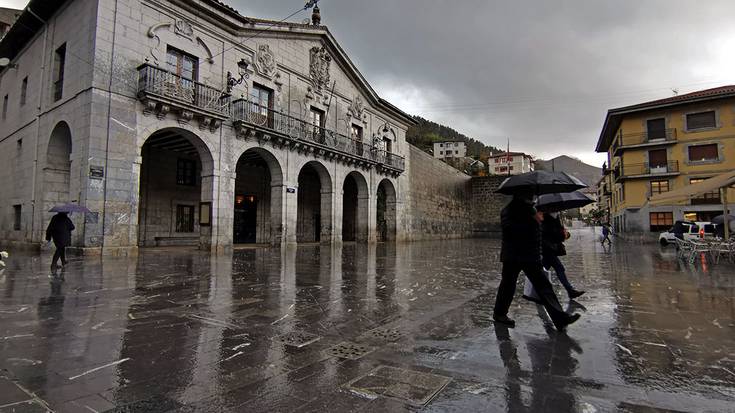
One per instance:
(427,132)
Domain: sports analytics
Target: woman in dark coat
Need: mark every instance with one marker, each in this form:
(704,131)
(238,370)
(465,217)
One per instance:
(59,230)
(554,236)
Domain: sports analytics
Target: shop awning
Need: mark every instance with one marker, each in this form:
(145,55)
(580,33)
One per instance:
(684,194)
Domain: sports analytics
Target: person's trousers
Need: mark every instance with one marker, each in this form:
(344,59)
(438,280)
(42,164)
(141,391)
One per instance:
(541,284)
(60,253)
(554,262)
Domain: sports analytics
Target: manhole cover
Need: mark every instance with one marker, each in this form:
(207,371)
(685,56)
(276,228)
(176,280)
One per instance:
(384,334)
(412,386)
(347,350)
(297,338)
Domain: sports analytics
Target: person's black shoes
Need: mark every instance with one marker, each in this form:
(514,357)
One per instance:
(531,299)
(575,293)
(505,320)
(562,325)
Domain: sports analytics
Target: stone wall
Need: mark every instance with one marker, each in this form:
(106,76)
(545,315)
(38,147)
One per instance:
(486,206)
(440,199)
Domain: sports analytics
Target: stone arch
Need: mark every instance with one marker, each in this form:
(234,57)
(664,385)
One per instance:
(57,170)
(176,178)
(258,198)
(314,203)
(355,207)
(386,214)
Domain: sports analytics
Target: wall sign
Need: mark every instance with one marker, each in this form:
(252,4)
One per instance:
(290,190)
(205,214)
(96,172)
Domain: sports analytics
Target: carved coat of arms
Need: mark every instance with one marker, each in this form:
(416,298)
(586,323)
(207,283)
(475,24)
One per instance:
(319,68)
(266,61)
(356,107)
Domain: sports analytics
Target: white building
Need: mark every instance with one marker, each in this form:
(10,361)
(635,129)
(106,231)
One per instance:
(450,149)
(187,123)
(512,163)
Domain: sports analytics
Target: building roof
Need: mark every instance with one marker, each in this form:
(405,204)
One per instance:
(495,155)
(8,15)
(615,116)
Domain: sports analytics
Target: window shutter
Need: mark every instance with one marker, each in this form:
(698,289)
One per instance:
(701,120)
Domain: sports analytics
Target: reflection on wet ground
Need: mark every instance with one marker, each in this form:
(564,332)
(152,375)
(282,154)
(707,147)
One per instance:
(362,328)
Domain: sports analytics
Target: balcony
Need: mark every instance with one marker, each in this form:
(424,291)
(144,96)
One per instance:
(645,170)
(643,139)
(162,91)
(262,123)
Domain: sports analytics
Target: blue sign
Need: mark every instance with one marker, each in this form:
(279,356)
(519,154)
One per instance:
(291,190)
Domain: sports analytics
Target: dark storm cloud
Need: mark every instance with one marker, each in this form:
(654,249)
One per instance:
(541,73)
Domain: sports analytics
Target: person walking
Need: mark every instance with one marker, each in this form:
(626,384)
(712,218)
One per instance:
(59,230)
(521,250)
(554,234)
(606,233)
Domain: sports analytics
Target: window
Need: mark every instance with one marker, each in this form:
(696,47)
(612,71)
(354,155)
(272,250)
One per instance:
(441,152)
(186,172)
(16,217)
(59,62)
(658,187)
(316,118)
(5,107)
(456,152)
(661,221)
(701,120)
(23,90)
(182,64)
(184,218)
(441,145)
(261,101)
(388,145)
(656,128)
(357,133)
(698,153)
(707,198)
(19,144)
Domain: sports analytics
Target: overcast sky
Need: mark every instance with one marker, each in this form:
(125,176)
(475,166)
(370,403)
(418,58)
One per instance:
(540,73)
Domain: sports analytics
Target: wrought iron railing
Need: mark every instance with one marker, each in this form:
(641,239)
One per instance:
(268,118)
(653,136)
(162,83)
(649,168)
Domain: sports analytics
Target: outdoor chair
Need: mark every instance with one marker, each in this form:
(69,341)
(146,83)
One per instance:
(698,248)
(683,249)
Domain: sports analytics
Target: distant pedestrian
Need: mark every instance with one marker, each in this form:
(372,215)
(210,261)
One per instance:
(59,230)
(554,235)
(606,233)
(521,251)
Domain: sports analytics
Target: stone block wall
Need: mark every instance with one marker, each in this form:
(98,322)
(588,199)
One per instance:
(439,204)
(486,206)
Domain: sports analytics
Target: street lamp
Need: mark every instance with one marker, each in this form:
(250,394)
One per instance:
(242,69)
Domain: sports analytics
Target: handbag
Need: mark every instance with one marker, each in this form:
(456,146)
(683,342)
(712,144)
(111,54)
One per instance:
(529,292)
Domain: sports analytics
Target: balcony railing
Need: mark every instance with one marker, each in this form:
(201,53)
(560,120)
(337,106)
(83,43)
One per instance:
(628,170)
(655,136)
(157,82)
(267,118)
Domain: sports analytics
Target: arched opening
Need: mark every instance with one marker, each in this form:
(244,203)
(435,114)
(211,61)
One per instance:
(355,208)
(258,198)
(57,173)
(314,204)
(175,181)
(386,211)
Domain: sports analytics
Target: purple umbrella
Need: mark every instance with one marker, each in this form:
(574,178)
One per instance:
(69,208)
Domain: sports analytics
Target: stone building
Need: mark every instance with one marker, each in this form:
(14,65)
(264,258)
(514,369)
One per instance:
(184,122)
(450,149)
(510,163)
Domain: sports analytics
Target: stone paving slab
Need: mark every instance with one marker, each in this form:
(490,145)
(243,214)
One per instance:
(183,331)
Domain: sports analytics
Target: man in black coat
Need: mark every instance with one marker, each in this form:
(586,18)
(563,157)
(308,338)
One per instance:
(554,236)
(59,230)
(521,251)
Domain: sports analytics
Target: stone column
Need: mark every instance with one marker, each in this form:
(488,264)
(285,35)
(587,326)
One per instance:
(327,208)
(285,225)
(209,191)
(222,212)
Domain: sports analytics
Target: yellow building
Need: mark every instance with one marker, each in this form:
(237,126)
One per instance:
(662,145)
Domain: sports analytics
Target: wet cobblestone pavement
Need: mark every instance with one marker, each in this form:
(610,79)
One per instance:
(363,328)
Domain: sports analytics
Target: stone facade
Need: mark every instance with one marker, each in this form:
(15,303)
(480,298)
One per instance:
(486,206)
(151,152)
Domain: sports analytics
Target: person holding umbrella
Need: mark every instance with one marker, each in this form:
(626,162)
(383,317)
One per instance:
(59,230)
(521,248)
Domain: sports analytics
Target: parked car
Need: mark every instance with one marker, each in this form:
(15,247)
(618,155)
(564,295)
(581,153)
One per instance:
(687,230)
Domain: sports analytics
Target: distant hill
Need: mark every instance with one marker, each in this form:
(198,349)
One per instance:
(427,132)
(588,174)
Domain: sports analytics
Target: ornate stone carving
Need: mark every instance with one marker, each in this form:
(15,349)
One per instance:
(356,108)
(319,68)
(185,117)
(183,28)
(265,61)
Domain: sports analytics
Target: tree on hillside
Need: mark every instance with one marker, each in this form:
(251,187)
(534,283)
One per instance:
(425,133)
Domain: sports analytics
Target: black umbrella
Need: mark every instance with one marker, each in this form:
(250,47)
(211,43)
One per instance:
(69,208)
(540,182)
(562,201)
(720,219)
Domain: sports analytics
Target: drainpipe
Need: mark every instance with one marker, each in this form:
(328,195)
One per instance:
(41,87)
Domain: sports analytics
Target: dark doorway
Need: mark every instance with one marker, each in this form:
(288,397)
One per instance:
(349,209)
(245,219)
(309,206)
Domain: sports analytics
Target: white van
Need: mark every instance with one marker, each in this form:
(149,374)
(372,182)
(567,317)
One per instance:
(689,230)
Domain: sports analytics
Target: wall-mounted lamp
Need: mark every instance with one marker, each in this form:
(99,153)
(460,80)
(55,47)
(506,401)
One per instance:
(5,62)
(242,69)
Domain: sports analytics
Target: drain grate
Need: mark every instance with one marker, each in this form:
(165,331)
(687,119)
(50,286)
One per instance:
(384,334)
(412,386)
(297,338)
(347,350)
